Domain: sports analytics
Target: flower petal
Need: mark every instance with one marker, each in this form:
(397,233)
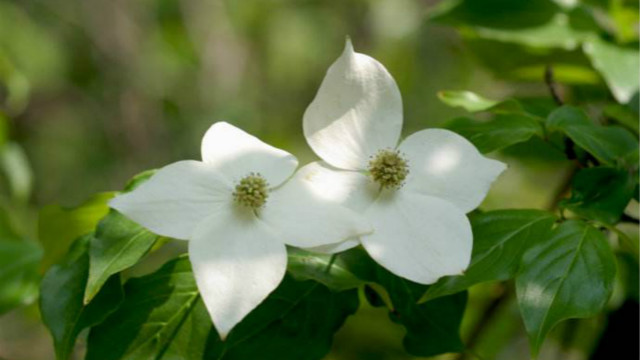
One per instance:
(357,111)
(305,218)
(350,188)
(237,262)
(236,154)
(176,199)
(418,237)
(444,164)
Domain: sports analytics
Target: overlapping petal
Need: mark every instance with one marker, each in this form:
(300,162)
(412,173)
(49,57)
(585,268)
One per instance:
(306,217)
(446,165)
(418,237)
(236,153)
(176,198)
(356,112)
(237,262)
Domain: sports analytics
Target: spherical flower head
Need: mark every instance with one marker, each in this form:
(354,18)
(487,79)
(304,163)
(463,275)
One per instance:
(252,191)
(389,168)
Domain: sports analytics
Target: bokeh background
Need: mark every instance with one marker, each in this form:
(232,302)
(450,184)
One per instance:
(93,92)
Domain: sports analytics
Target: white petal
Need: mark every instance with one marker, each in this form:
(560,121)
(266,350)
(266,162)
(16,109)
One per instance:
(176,199)
(237,262)
(444,164)
(418,237)
(350,188)
(236,154)
(305,218)
(335,248)
(357,111)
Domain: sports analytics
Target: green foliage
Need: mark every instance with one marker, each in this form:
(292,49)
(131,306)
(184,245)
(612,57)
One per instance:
(499,240)
(157,308)
(610,145)
(61,305)
(501,132)
(601,193)
(328,270)
(19,272)
(59,227)
(432,327)
(163,317)
(570,275)
(118,244)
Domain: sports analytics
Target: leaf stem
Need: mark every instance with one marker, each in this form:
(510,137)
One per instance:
(330,264)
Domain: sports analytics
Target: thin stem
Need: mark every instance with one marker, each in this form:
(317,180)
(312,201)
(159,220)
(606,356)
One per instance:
(330,264)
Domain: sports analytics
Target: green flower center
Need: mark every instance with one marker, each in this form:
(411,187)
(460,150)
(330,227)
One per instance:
(389,168)
(252,191)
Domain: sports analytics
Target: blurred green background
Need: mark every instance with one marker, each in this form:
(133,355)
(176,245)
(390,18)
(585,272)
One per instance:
(94,91)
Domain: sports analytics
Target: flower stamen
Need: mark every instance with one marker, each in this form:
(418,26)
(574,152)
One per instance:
(252,191)
(389,168)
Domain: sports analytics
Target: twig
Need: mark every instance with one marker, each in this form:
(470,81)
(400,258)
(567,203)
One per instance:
(552,85)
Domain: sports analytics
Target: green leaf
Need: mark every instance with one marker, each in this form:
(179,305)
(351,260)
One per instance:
(19,276)
(624,115)
(118,244)
(499,133)
(467,100)
(297,321)
(601,193)
(15,167)
(610,145)
(162,316)
(59,227)
(432,327)
(619,66)
(499,240)
(570,275)
(304,265)
(61,306)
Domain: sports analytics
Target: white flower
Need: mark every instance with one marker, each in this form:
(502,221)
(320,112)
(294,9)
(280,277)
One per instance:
(415,194)
(238,208)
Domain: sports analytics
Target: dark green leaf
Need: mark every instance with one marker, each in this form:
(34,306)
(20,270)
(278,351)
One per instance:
(162,315)
(304,265)
(501,132)
(117,245)
(570,275)
(610,145)
(61,306)
(432,327)
(499,240)
(18,273)
(601,193)
(296,322)
(59,227)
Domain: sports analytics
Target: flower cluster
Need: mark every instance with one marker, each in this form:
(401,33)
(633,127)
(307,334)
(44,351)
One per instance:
(404,202)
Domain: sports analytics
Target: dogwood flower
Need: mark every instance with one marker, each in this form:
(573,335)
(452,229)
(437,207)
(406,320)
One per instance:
(238,207)
(415,194)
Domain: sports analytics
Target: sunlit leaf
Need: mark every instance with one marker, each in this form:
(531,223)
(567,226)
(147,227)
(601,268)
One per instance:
(570,275)
(58,227)
(304,265)
(620,67)
(118,244)
(499,239)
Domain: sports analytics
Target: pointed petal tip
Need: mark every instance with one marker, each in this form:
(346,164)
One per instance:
(348,45)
